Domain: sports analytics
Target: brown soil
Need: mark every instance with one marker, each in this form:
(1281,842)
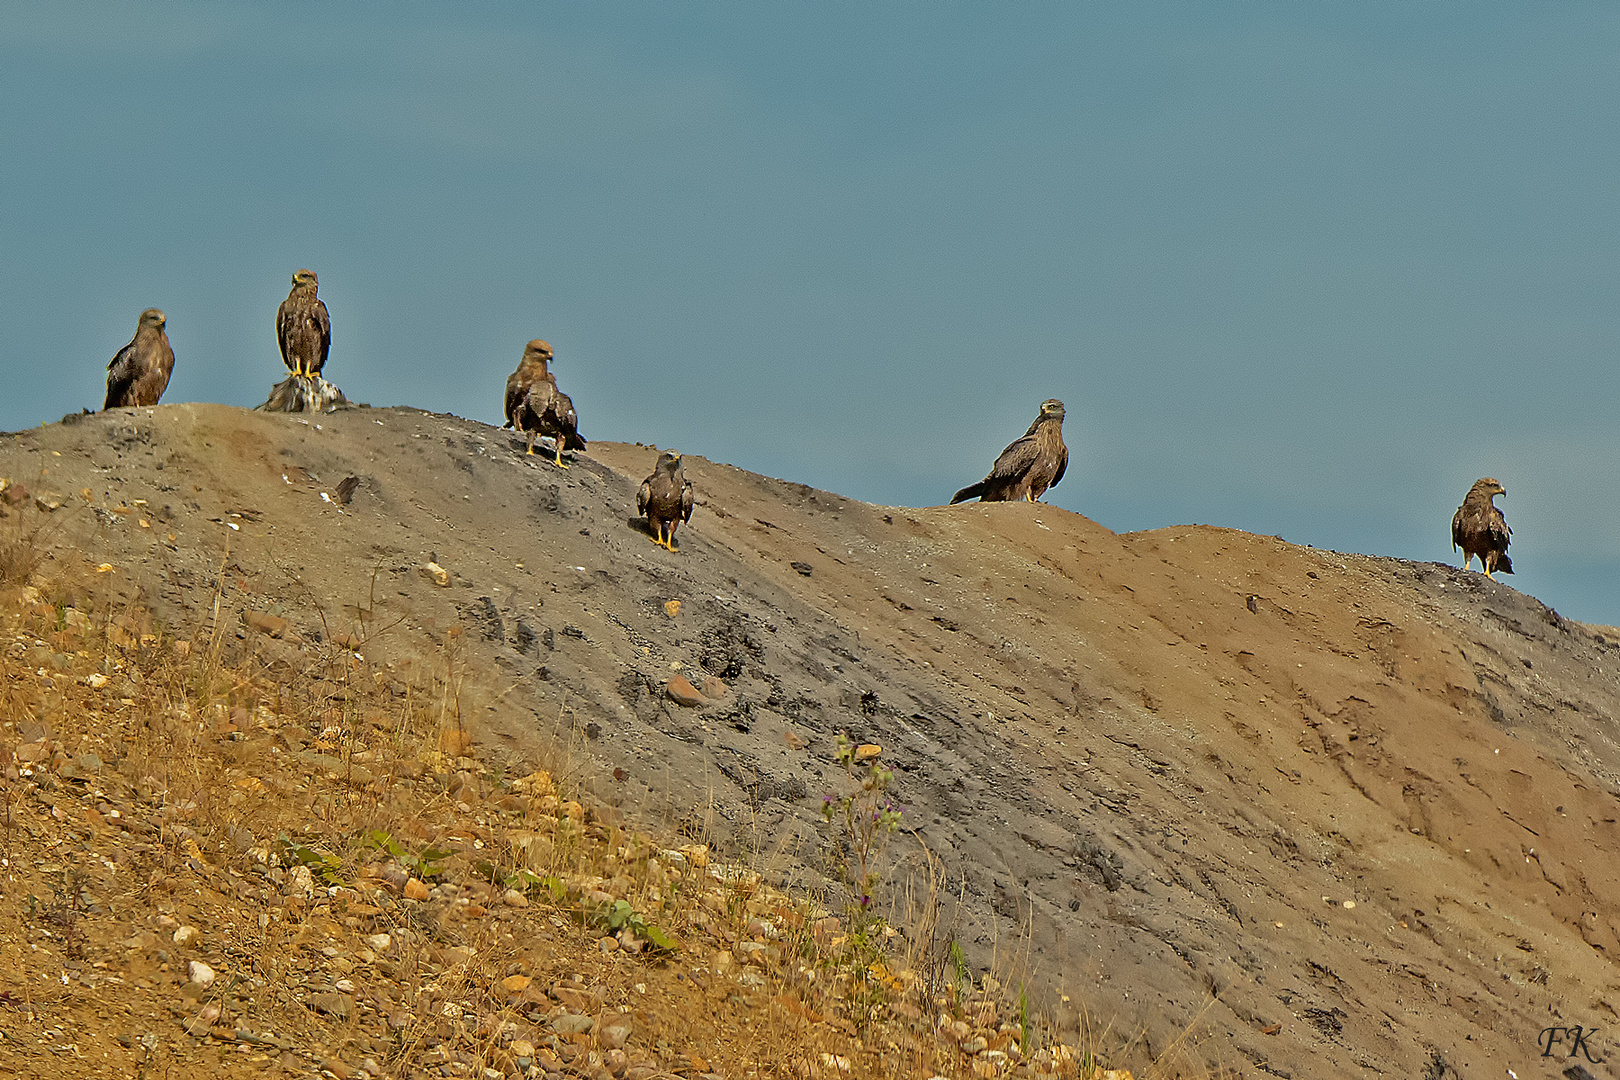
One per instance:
(1332,814)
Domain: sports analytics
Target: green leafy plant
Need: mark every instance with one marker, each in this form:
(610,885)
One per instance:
(423,865)
(959,964)
(323,865)
(864,819)
(621,915)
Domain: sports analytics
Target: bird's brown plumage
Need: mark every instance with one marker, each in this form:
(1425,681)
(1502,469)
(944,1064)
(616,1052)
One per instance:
(536,407)
(1479,528)
(303,328)
(1029,465)
(665,499)
(531,369)
(139,372)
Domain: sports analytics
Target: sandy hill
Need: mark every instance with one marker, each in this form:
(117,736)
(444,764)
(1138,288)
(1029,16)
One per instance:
(1346,816)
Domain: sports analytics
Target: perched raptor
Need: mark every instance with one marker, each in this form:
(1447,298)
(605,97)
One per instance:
(303,329)
(531,369)
(139,373)
(535,406)
(1479,528)
(1027,467)
(665,499)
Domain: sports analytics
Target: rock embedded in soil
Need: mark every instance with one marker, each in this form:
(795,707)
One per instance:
(339,1006)
(572,1024)
(681,691)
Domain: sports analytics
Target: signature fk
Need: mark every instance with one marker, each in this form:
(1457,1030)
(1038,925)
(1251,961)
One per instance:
(1577,1036)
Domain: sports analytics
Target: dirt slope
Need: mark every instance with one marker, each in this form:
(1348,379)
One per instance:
(1368,806)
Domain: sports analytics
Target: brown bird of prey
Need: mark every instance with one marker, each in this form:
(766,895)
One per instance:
(535,406)
(303,329)
(531,369)
(665,499)
(1479,528)
(1029,465)
(139,373)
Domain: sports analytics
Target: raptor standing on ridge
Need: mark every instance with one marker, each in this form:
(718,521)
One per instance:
(531,369)
(536,407)
(1027,467)
(139,373)
(665,499)
(303,328)
(1479,528)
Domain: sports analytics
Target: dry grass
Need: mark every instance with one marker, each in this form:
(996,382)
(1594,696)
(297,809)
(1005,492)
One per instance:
(293,803)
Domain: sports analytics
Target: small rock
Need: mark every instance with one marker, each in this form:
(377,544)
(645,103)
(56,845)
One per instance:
(455,742)
(867,752)
(616,1062)
(343,986)
(713,688)
(803,568)
(95,680)
(332,1004)
(336,1068)
(436,574)
(681,691)
(379,942)
(614,1034)
(516,984)
(415,890)
(185,935)
(265,623)
(513,898)
(522,1048)
(201,974)
(572,1024)
(608,944)
(672,608)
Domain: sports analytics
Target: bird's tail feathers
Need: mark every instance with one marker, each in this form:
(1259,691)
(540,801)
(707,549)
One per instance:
(1504,565)
(972,491)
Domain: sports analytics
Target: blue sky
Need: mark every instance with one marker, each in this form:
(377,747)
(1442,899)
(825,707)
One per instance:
(1299,269)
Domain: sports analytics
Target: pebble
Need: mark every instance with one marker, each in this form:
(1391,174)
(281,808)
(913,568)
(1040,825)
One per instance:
(380,942)
(572,1024)
(513,898)
(332,1004)
(681,691)
(201,973)
(415,890)
(185,935)
(713,688)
